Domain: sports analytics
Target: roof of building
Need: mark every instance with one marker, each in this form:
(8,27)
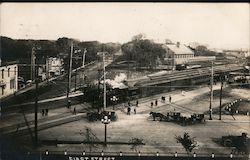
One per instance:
(3,64)
(182,49)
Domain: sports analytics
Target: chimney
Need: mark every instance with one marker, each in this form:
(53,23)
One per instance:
(178,44)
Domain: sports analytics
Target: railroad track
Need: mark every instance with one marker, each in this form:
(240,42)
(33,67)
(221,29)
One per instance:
(187,74)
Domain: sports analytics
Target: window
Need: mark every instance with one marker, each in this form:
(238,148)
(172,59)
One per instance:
(8,72)
(15,70)
(2,73)
(2,88)
(12,83)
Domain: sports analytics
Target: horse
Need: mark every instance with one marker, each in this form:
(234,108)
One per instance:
(155,115)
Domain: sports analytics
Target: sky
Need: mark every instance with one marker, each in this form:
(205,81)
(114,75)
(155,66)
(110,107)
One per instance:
(218,25)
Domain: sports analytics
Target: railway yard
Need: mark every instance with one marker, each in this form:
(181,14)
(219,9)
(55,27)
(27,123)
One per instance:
(157,136)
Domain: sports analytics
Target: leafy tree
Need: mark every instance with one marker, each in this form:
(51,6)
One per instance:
(187,142)
(138,37)
(144,52)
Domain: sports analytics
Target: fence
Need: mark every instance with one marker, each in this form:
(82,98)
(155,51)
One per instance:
(82,155)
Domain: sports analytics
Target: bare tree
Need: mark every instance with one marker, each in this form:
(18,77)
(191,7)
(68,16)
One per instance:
(90,139)
(187,142)
(136,142)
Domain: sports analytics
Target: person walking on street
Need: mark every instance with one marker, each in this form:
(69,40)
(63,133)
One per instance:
(128,113)
(137,103)
(170,99)
(74,111)
(152,104)
(47,110)
(163,99)
(42,112)
(156,102)
(134,110)
(69,103)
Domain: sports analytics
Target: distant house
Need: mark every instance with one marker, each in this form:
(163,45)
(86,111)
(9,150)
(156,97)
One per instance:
(177,54)
(54,66)
(8,79)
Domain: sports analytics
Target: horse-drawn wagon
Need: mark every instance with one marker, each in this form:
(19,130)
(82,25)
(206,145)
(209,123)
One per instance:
(95,116)
(178,118)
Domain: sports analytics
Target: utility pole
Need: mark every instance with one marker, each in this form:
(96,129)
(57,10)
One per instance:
(104,83)
(36,105)
(70,69)
(75,78)
(83,66)
(128,76)
(211,95)
(220,97)
(104,79)
(32,64)
(83,57)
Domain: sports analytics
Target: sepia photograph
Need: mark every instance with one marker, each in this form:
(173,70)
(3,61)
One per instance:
(124,81)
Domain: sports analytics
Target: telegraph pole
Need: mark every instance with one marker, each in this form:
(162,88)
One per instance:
(104,79)
(32,64)
(211,96)
(83,57)
(83,66)
(70,68)
(104,84)
(36,105)
(220,97)
(75,78)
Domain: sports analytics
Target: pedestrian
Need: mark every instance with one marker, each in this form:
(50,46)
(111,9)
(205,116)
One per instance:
(137,103)
(152,104)
(156,102)
(163,99)
(69,103)
(134,110)
(47,110)
(128,103)
(42,112)
(74,111)
(170,99)
(128,113)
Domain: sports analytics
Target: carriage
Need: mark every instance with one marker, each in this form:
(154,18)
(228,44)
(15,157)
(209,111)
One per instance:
(178,118)
(95,116)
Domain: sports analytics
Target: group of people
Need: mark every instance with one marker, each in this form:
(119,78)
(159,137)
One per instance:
(45,112)
(163,98)
(129,107)
(156,103)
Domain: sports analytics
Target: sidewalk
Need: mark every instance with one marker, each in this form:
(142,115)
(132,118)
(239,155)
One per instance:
(71,95)
(17,120)
(176,96)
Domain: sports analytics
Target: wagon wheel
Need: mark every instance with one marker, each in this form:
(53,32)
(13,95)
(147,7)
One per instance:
(228,143)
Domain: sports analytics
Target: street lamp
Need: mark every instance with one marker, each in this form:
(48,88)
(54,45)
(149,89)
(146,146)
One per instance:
(105,121)
(114,99)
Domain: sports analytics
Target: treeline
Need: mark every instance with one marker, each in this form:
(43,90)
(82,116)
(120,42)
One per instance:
(13,50)
(202,50)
